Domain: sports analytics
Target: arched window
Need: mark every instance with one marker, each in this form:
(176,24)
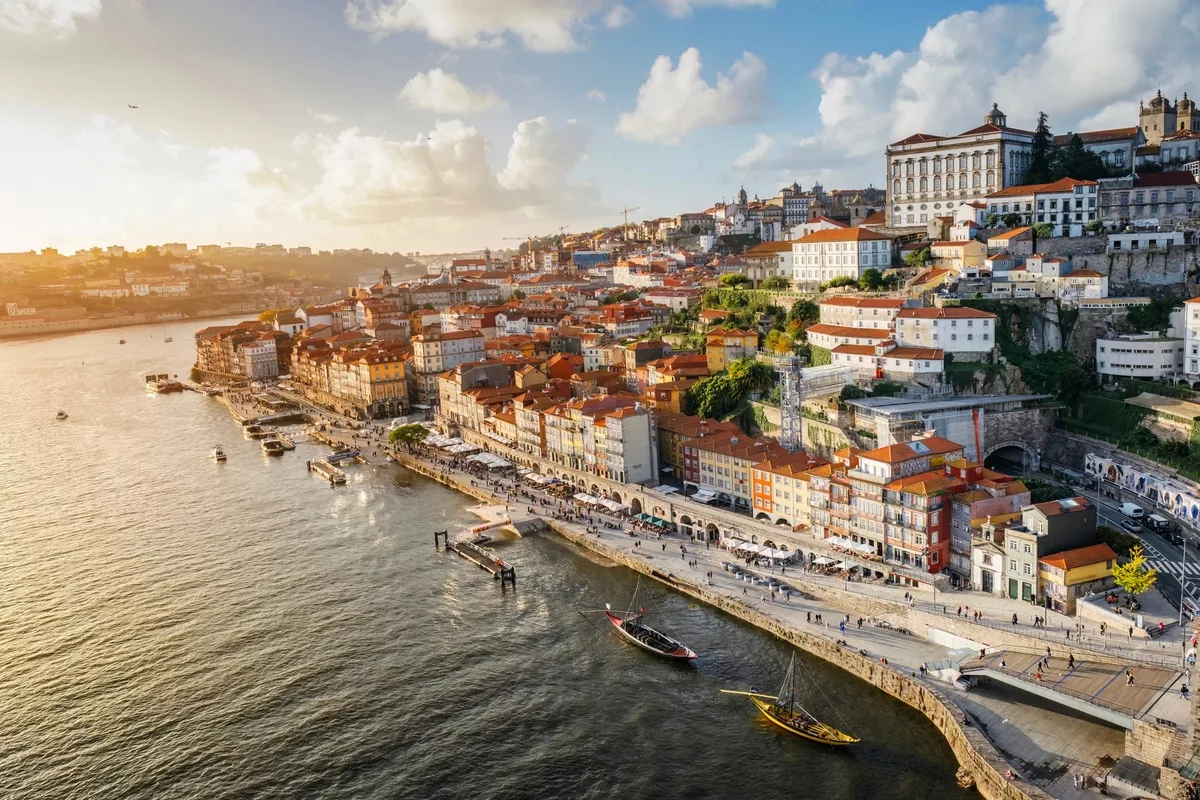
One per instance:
(924,184)
(991,178)
(975,180)
(937,183)
(962,180)
(962,161)
(909,185)
(975,161)
(991,159)
(896,187)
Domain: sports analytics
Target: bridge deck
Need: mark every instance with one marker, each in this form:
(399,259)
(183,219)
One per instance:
(1154,691)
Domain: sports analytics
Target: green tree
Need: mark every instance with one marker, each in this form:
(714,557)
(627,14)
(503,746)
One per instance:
(1059,373)
(733,279)
(1136,576)
(852,392)
(1041,167)
(838,282)
(1076,161)
(993,220)
(776,283)
(805,312)
(695,230)
(270,314)
(871,280)
(408,436)
(917,258)
(518,294)
(1095,226)
(1155,316)
(1043,230)
(747,375)
(1012,220)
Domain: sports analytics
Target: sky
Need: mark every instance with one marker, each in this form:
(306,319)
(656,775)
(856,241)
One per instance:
(452,125)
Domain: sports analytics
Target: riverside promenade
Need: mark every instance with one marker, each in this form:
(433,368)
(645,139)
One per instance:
(1010,747)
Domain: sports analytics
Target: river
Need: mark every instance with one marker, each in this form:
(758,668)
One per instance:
(175,628)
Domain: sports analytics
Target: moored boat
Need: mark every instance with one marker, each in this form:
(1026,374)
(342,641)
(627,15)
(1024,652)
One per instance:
(168,340)
(255,431)
(61,415)
(785,711)
(121,342)
(272,447)
(161,383)
(217,453)
(632,626)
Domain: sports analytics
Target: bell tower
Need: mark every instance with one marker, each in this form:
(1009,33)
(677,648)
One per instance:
(1157,118)
(996,117)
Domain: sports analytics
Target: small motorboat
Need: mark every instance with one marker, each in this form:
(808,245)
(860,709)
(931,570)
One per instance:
(272,447)
(785,711)
(121,342)
(630,624)
(218,453)
(255,431)
(61,415)
(168,340)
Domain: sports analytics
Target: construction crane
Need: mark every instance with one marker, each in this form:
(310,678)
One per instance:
(625,229)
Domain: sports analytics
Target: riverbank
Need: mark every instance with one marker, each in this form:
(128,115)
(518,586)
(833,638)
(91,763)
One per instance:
(15,329)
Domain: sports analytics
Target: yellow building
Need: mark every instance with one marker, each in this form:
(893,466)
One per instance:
(956,255)
(1072,574)
(725,345)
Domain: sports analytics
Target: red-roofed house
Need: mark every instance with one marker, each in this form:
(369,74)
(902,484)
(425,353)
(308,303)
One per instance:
(1067,204)
(839,252)
(962,331)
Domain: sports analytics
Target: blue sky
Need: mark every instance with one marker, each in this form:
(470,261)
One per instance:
(290,121)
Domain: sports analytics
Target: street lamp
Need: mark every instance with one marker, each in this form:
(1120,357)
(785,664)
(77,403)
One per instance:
(1182,578)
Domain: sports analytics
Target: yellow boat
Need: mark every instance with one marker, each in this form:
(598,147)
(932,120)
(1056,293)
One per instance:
(787,713)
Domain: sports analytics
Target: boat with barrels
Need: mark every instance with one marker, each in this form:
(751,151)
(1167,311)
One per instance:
(632,626)
(784,710)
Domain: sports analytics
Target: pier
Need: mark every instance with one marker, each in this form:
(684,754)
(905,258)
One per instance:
(480,556)
(327,471)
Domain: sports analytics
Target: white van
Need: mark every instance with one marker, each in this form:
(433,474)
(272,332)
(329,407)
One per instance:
(1132,510)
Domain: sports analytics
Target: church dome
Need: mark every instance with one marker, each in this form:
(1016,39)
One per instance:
(996,117)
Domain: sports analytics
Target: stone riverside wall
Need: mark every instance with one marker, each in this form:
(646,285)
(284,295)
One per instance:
(970,746)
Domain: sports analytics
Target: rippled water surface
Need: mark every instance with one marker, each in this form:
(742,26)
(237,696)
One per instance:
(173,628)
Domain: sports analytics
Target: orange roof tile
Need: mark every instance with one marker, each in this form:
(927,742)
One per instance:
(1080,556)
(842,235)
(949,312)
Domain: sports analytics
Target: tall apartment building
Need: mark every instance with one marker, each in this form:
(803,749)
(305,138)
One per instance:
(434,353)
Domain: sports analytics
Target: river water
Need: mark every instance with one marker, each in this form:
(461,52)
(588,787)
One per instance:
(174,628)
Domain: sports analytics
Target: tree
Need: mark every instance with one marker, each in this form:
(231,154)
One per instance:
(747,375)
(779,343)
(1155,316)
(1075,161)
(1095,226)
(992,220)
(518,294)
(1041,170)
(776,283)
(838,282)
(1043,230)
(917,258)
(408,436)
(871,280)
(1120,541)
(852,392)
(1136,576)
(1059,373)
(695,230)
(805,312)
(150,251)
(1012,220)
(269,315)
(733,279)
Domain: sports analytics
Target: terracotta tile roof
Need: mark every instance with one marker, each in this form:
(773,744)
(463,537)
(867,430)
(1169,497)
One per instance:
(1080,557)
(843,235)
(918,138)
(989,128)
(878,218)
(1068,505)
(1164,179)
(950,244)
(950,312)
(854,350)
(828,221)
(1084,273)
(896,453)
(769,249)
(864,302)
(826,329)
(916,353)
(1061,185)
(1092,137)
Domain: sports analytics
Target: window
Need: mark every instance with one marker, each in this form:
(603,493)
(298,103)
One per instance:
(1026,569)
(1012,565)
(1028,548)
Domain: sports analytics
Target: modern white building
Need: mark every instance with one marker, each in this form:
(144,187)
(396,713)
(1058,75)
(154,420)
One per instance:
(1139,355)
(1143,240)
(860,312)
(1191,327)
(954,329)
(930,175)
(1067,204)
(840,252)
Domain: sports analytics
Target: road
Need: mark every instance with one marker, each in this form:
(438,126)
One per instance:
(1177,572)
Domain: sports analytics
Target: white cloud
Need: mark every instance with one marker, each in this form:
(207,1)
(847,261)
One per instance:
(444,93)
(1007,54)
(674,101)
(328,119)
(541,25)
(681,8)
(546,26)
(760,150)
(54,17)
(618,16)
(540,157)
(596,94)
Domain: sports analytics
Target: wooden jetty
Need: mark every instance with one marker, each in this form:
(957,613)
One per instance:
(327,471)
(473,551)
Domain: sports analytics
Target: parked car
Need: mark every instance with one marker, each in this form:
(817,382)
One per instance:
(1175,539)
(1130,526)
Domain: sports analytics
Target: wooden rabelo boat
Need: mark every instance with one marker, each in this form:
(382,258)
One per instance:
(632,626)
(785,711)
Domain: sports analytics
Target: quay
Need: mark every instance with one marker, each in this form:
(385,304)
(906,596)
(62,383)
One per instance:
(1007,747)
(485,559)
(327,471)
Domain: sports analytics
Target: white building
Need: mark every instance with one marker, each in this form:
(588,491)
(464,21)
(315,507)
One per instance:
(1081,283)
(259,358)
(955,329)
(1143,240)
(842,252)
(860,312)
(1191,335)
(1139,355)
(1067,204)
(886,360)
(929,175)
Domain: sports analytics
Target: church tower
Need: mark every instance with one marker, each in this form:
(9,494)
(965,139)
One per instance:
(386,278)
(996,117)
(742,197)
(1157,118)
(1186,115)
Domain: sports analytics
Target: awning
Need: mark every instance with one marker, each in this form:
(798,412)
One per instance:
(461,448)
(665,469)
(584,497)
(611,505)
(704,496)
(540,480)
(734,543)
(863,547)
(748,547)
(490,461)
(823,560)
(664,489)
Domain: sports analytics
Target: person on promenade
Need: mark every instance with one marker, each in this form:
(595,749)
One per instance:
(1014,619)
(1070,661)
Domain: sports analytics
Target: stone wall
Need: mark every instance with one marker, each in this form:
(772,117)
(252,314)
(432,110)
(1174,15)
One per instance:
(1031,426)
(1148,743)
(1155,273)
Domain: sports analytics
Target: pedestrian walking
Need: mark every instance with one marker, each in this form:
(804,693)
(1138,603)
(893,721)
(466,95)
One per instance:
(809,617)
(1070,661)
(1131,633)
(1014,619)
